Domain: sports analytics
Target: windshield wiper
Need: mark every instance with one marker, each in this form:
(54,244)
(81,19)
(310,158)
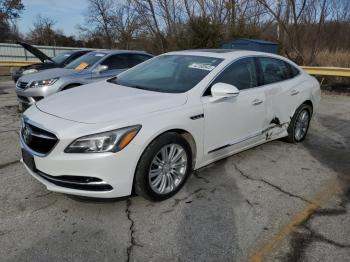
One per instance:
(114,80)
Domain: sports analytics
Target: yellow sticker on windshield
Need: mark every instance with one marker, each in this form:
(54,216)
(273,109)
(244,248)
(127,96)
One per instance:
(82,66)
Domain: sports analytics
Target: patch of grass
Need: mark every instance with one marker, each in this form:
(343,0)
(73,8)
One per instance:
(338,58)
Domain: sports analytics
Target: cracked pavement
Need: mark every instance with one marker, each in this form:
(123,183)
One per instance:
(225,212)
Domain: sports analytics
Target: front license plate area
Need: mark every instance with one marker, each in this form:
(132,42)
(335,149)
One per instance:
(28,159)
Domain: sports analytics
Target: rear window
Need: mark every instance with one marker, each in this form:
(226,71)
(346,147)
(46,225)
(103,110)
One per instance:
(135,59)
(293,72)
(274,70)
(60,58)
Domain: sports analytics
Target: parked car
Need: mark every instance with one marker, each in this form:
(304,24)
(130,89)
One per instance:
(148,128)
(94,66)
(61,60)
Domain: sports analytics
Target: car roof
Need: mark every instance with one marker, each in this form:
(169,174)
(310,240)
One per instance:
(120,51)
(224,53)
(77,51)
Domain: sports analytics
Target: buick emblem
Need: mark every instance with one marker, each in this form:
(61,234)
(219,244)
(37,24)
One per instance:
(27,137)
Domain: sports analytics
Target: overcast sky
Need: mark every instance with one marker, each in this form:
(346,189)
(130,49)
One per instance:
(66,13)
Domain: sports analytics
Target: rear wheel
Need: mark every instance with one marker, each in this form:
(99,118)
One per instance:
(299,124)
(163,167)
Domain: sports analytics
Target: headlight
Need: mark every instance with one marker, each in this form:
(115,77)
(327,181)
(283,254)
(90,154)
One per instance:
(29,71)
(41,83)
(111,141)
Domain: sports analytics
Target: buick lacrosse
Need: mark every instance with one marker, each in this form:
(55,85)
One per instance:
(148,128)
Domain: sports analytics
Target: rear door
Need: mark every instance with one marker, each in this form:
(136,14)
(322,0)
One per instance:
(282,88)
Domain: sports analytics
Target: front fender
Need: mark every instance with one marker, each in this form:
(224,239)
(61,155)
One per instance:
(154,126)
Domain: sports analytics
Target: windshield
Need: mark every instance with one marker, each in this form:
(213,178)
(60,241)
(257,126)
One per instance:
(86,61)
(59,59)
(168,73)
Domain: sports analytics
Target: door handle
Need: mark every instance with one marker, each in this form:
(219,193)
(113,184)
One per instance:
(257,102)
(294,92)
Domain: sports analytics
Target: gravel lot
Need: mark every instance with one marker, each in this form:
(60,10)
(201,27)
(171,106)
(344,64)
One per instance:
(277,202)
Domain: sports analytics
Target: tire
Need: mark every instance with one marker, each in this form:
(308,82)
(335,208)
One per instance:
(296,126)
(148,172)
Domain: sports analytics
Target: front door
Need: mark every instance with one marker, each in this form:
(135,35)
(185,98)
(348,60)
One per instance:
(235,122)
(115,65)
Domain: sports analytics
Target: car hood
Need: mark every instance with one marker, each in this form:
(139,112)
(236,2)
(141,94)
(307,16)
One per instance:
(105,102)
(48,74)
(35,51)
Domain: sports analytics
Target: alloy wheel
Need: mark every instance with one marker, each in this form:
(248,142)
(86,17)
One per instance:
(168,169)
(302,125)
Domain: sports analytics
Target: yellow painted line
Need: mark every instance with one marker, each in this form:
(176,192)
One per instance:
(327,71)
(318,201)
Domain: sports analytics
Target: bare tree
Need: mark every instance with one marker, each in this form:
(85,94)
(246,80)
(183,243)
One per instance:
(126,22)
(302,27)
(10,10)
(42,32)
(295,18)
(148,11)
(100,17)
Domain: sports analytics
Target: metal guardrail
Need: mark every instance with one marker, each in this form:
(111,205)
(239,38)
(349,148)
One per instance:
(327,71)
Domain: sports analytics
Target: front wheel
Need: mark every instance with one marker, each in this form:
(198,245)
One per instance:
(163,167)
(299,124)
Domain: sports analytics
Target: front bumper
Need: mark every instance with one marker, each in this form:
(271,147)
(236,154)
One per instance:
(29,96)
(112,173)
(114,169)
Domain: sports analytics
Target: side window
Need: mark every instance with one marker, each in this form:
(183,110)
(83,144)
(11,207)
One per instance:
(71,58)
(292,70)
(135,59)
(116,62)
(241,74)
(274,70)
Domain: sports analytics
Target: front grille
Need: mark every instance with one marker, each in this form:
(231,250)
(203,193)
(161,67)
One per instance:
(22,85)
(37,139)
(77,182)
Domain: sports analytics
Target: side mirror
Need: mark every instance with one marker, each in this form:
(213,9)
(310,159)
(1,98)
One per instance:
(100,68)
(222,90)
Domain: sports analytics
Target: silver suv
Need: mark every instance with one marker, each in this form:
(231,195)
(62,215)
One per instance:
(94,66)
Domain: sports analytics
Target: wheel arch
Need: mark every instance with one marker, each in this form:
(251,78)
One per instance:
(305,102)
(183,133)
(309,102)
(67,86)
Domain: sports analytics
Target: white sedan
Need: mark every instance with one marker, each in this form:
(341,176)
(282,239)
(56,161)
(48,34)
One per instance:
(149,128)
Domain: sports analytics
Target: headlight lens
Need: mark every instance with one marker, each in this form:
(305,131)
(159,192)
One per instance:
(29,71)
(40,83)
(111,141)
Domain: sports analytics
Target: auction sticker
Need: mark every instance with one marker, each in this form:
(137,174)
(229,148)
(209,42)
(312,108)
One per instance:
(81,66)
(200,66)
